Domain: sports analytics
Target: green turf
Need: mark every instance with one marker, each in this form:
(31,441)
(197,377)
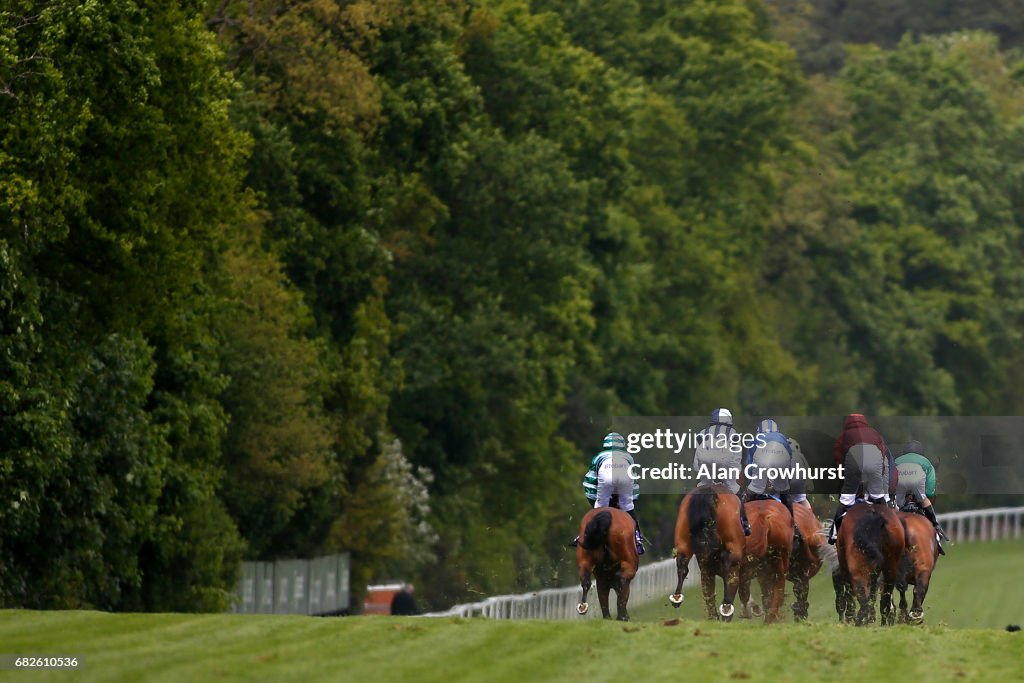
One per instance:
(975,586)
(240,648)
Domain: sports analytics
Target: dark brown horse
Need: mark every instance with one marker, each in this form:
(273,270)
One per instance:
(766,556)
(869,547)
(607,552)
(920,556)
(708,527)
(807,558)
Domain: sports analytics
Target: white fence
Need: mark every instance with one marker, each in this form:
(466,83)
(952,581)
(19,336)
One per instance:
(992,524)
(656,580)
(651,582)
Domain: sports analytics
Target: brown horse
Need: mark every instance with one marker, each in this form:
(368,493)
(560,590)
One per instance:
(869,547)
(767,556)
(708,526)
(807,558)
(920,556)
(606,550)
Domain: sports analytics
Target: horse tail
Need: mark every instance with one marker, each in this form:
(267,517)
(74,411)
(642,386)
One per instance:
(827,554)
(700,514)
(595,534)
(868,536)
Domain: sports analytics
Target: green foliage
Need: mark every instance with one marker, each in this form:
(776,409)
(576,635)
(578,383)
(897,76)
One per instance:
(288,276)
(826,25)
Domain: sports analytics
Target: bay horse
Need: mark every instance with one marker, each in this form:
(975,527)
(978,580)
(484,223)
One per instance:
(708,527)
(869,550)
(766,556)
(607,552)
(807,558)
(919,558)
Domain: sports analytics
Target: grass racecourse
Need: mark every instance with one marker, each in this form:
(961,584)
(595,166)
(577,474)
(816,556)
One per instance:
(976,592)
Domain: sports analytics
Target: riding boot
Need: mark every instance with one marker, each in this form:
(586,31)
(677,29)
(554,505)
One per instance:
(743,516)
(638,536)
(788,502)
(929,512)
(836,521)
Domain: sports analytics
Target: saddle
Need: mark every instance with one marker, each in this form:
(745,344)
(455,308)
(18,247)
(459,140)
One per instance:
(914,507)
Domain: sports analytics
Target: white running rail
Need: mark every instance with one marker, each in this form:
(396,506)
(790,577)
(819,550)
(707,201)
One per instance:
(992,524)
(656,580)
(652,581)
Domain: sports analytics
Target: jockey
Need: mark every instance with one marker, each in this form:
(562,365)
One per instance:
(861,450)
(718,445)
(608,476)
(776,452)
(916,482)
(798,486)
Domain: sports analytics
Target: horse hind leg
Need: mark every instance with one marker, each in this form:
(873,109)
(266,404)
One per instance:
(801,589)
(866,596)
(707,584)
(863,594)
(920,591)
(603,588)
(776,584)
(622,598)
(885,604)
(844,596)
(732,580)
(903,617)
(746,604)
(583,606)
(682,569)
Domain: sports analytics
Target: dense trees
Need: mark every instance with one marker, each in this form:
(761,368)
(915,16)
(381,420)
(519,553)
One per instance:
(294,276)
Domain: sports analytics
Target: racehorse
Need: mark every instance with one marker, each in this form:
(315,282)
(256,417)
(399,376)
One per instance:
(807,558)
(708,526)
(607,552)
(767,556)
(919,558)
(869,548)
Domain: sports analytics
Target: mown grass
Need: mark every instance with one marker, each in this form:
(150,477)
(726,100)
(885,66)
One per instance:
(174,647)
(975,585)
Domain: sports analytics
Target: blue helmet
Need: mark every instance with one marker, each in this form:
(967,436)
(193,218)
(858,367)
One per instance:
(767,426)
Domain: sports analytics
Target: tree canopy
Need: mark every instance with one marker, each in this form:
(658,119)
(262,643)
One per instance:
(284,277)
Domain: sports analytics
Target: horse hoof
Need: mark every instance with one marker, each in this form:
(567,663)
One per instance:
(756,609)
(916,616)
(726,610)
(676,599)
(582,608)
